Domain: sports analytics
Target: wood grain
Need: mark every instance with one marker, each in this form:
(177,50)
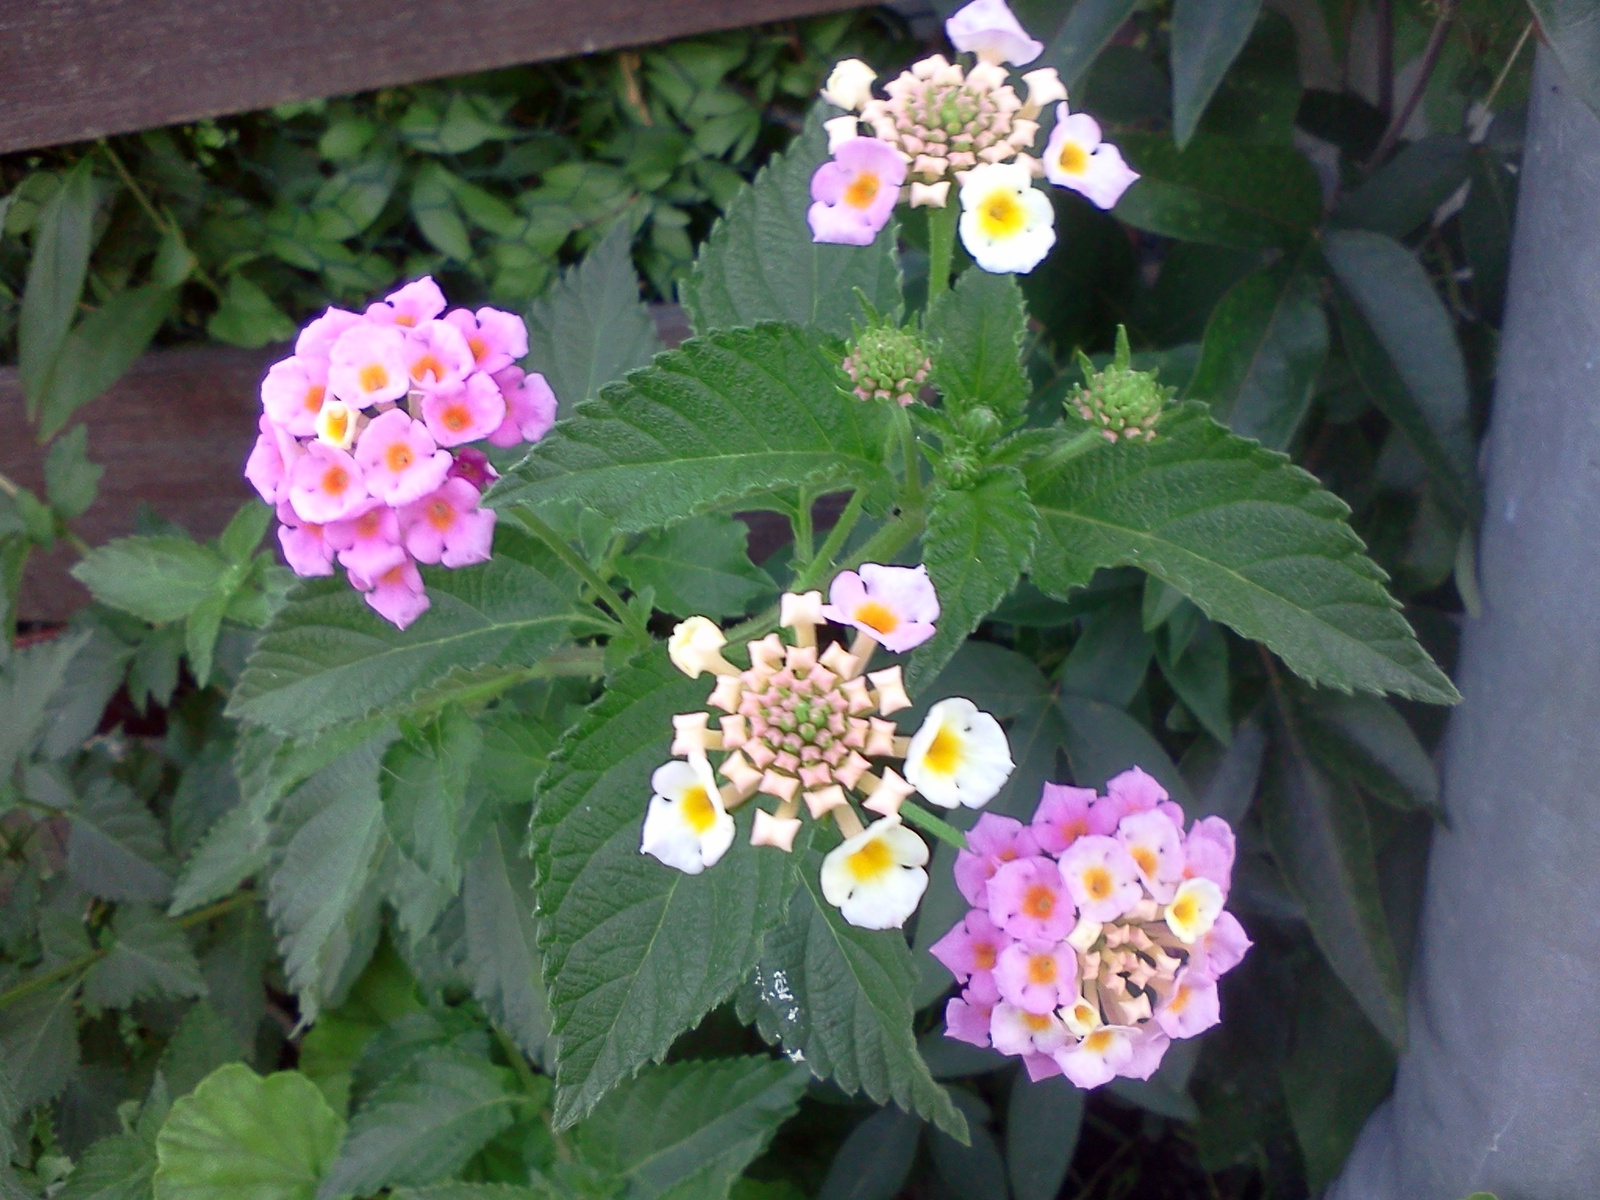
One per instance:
(71,70)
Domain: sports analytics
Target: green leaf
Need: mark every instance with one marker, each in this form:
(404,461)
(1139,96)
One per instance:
(976,331)
(423,1124)
(149,957)
(433,207)
(1569,28)
(158,578)
(477,1191)
(727,417)
(97,352)
(63,234)
(323,896)
(239,1135)
(688,1130)
(38,1045)
(201,628)
(114,1168)
(1042,1123)
(1199,675)
(1409,188)
(1102,741)
(71,480)
(975,1170)
(1402,343)
(1253,540)
(203,1042)
(247,317)
(29,681)
(1366,740)
(1111,657)
(327,657)
(1222,192)
(502,957)
(1319,834)
(1087,30)
(760,264)
(116,850)
(244,531)
(592,328)
(875,1160)
(424,788)
(976,546)
(700,567)
(1207,36)
(634,951)
(1264,348)
(839,998)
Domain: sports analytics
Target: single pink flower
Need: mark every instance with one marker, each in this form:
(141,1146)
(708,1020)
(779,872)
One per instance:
(1209,852)
(1029,900)
(305,546)
(1191,1007)
(855,192)
(1076,158)
(326,485)
(293,391)
(992,841)
(367,365)
(966,1018)
(1062,816)
(474,466)
(449,526)
(972,947)
(989,29)
(1099,1056)
(436,356)
(1149,1047)
(497,339)
(368,540)
(316,339)
(1017,1031)
(419,301)
(400,459)
(1040,1066)
(1101,876)
(1038,979)
(895,606)
(530,407)
(465,411)
(1132,791)
(397,595)
(266,468)
(1221,949)
(1156,847)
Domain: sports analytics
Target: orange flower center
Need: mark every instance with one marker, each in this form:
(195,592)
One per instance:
(1146,858)
(335,480)
(368,524)
(1036,1022)
(425,366)
(394,575)
(1039,901)
(1042,968)
(983,956)
(1074,159)
(479,348)
(440,515)
(398,457)
(313,400)
(877,617)
(374,377)
(456,418)
(863,189)
(1097,883)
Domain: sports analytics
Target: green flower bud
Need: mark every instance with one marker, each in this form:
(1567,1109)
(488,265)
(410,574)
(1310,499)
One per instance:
(887,363)
(1123,402)
(981,424)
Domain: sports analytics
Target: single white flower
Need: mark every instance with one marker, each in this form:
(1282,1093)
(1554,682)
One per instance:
(989,29)
(1194,909)
(1076,158)
(875,878)
(1007,224)
(336,424)
(686,826)
(696,647)
(959,756)
(849,84)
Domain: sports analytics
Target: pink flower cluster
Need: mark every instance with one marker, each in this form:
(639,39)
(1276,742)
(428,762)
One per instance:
(363,444)
(1097,933)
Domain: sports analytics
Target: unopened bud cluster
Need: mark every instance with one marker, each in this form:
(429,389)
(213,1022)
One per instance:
(888,363)
(1124,403)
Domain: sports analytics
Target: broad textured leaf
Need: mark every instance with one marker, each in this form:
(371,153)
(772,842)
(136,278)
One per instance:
(1319,835)
(423,1124)
(875,1159)
(62,238)
(116,850)
(78,705)
(1253,540)
(100,349)
(839,998)
(725,417)
(148,957)
(976,331)
(1402,343)
(1103,741)
(1042,1123)
(1263,350)
(1111,657)
(423,782)
(71,480)
(634,951)
(327,656)
(700,567)
(30,680)
(1219,191)
(239,1135)
(760,264)
(114,1168)
(1366,739)
(976,546)
(502,960)
(1409,187)
(203,1042)
(323,896)
(1571,28)
(592,328)
(1207,36)
(38,1045)
(1200,678)
(688,1130)
(1087,29)
(159,578)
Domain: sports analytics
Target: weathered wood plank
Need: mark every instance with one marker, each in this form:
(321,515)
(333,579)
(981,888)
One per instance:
(77,69)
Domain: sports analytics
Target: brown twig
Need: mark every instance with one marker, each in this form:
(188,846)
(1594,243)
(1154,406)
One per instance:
(1430,60)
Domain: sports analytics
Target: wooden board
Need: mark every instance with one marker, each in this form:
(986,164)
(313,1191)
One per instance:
(71,70)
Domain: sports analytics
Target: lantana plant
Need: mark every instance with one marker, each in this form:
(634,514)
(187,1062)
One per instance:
(747,766)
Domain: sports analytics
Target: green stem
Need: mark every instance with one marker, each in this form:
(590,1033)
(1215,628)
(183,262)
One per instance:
(823,561)
(1075,447)
(913,463)
(930,824)
(519,1063)
(890,540)
(558,544)
(199,917)
(801,524)
(162,223)
(941,247)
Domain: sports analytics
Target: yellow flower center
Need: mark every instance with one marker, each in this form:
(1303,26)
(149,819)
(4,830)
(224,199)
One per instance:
(1098,1042)
(374,377)
(1038,902)
(1097,883)
(983,956)
(1001,215)
(338,426)
(877,617)
(397,457)
(697,809)
(1036,1022)
(1042,968)
(1180,1000)
(944,752)
(425,366)
(863,189)
(1074,159)
(871,862)
(1183,910)
(1146,858)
